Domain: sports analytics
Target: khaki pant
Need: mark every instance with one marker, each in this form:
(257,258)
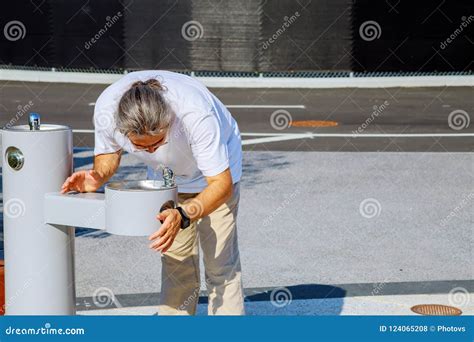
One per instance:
(180,283)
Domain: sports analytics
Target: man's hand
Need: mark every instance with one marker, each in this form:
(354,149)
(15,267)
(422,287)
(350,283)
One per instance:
(164,237)
(105,166)
(82,181)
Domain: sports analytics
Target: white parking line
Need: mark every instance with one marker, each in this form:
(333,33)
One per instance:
(84,154)
(243,134)
(292,136)
(289,136)
(276,138)
(391,135)
(83,131)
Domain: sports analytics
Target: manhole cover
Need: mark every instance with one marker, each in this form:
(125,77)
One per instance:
(314,123)
(436,310)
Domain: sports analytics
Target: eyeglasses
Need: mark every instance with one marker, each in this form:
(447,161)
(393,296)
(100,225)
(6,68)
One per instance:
(140,148)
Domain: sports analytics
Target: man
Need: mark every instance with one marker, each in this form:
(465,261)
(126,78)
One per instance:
(171,120)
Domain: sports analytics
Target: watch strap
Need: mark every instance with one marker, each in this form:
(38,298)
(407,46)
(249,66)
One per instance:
(185,220)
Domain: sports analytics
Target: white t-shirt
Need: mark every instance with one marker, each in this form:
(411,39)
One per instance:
(204,139)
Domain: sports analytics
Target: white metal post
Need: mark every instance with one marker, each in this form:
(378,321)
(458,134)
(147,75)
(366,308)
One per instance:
(39,257)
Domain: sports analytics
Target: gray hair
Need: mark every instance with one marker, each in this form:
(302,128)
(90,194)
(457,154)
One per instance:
(143,110)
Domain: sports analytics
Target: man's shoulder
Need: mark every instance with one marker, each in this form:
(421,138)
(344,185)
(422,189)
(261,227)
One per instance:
(167,78)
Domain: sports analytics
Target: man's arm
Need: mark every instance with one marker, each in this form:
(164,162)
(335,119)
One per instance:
(105,166)
(217,192)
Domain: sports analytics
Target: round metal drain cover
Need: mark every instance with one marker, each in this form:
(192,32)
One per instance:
(314,123)
(436,310)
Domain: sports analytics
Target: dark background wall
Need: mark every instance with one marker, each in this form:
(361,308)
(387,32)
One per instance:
(241,35)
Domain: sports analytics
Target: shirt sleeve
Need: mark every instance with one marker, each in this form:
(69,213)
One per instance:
(208,146)
(104,127)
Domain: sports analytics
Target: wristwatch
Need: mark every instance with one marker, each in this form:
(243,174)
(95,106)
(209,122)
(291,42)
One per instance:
(185,220)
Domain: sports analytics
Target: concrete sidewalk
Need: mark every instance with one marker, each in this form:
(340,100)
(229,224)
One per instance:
(366,305)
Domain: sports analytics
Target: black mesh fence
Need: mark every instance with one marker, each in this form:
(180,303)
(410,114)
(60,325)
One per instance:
(412,35)
(87,34)
(315,35)
(241,36)
(152,31)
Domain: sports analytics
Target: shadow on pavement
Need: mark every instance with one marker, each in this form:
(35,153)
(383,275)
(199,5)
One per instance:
(280,300)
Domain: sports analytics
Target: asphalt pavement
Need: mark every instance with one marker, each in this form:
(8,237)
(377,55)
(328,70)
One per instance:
(383,111)
(364,224)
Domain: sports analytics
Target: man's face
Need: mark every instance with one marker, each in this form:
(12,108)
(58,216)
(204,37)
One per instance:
(148,143)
